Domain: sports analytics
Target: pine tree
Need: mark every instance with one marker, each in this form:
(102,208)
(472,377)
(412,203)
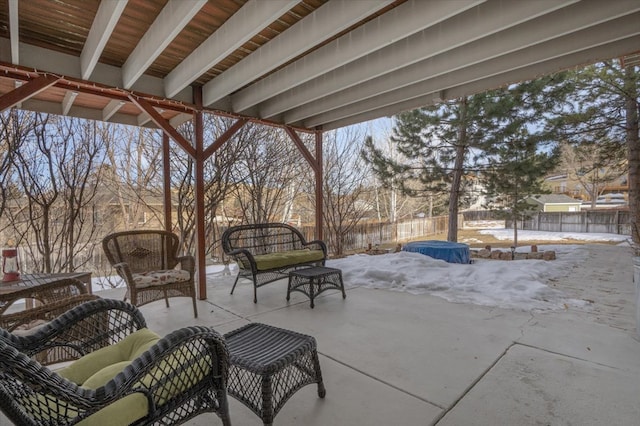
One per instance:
(437,141)
(603,109)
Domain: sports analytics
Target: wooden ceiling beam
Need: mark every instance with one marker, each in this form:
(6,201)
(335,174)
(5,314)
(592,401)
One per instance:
(164,124)
(303,149)
(104,23)
(26,91)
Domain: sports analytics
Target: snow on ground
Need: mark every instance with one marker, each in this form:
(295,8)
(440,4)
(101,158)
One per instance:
(517,284)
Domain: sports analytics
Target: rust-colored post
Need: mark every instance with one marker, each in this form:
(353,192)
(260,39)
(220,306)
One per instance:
(166,176)
(199,194)
(319,183)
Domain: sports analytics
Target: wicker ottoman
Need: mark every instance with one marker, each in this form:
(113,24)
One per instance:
(269,365)
(315,280)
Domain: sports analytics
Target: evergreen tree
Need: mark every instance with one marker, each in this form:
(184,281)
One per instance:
(515,172)
(603,109)
(446,143)
(520,150)
(437,142)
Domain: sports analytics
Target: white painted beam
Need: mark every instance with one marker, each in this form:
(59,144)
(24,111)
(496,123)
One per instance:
(603,52)
(483,21)
(171,20)
(497,45)
(14,34)
(143,119)
(67,102)
(397,24)
(326,21)
(538,60)
(106,19)
(237,30)
(179,119)
(112,107)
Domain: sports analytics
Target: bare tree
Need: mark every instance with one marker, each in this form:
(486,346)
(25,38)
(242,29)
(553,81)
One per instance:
(346,195)
(217,171)
(267,176)
(133,178)
(15,129)
(594,166)
(56,168)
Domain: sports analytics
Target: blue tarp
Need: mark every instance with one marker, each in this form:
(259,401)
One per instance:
(444,250)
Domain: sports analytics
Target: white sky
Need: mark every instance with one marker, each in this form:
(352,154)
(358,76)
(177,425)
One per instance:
(518,284)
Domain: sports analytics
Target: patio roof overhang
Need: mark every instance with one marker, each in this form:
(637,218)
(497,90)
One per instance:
(308,64)
(305,65)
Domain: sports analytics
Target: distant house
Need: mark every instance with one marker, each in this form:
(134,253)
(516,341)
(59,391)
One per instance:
(554,203)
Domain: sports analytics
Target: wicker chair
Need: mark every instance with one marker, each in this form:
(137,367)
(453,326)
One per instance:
(84,328)
(29,321)
(146,260)
(178,377)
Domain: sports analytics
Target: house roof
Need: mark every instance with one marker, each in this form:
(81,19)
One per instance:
(309,64)
(554,199)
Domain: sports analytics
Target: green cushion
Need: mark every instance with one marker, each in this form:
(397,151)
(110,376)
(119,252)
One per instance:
(283,259)
(122,412)
(121,354)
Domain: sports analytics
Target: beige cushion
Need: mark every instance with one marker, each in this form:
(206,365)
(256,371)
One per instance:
(153,278)
(30,328)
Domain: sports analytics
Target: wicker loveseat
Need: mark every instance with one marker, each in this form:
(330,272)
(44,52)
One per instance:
(267,252)
(129,374)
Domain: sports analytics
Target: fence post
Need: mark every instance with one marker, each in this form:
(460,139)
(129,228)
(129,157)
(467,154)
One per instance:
(586,221)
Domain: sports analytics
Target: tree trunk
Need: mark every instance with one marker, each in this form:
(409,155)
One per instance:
(457,172)
(633,150)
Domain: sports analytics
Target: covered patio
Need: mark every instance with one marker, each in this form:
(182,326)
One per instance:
(393,358)
(315,65)
(307,66)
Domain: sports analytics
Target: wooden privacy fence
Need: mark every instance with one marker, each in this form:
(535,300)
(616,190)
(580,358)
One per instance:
(386,233)
(588,221)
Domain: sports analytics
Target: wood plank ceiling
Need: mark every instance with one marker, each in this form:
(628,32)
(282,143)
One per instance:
(309,64)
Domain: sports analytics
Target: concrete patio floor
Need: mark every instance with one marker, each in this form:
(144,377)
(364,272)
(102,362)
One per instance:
(392,358)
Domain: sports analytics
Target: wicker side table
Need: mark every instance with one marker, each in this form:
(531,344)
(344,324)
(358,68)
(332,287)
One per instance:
(313,281)
(268,365)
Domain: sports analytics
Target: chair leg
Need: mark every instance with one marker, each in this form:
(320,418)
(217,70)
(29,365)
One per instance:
(195,308)
(235,282)
(166,299)
(322,392)
(267,401)
(223,411)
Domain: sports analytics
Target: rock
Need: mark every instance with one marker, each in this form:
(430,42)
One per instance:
(535,255)
(521,256)
(484,253)
(549,255)
(534,248)
(504,255)
(495,254)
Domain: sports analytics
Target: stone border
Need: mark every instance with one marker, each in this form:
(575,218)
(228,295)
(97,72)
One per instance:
(488,253)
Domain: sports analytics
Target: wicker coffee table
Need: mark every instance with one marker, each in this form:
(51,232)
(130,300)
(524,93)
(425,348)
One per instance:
(269,365)
(315,280)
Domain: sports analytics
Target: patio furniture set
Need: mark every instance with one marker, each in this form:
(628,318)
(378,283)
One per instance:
(121,371)
(268,252)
